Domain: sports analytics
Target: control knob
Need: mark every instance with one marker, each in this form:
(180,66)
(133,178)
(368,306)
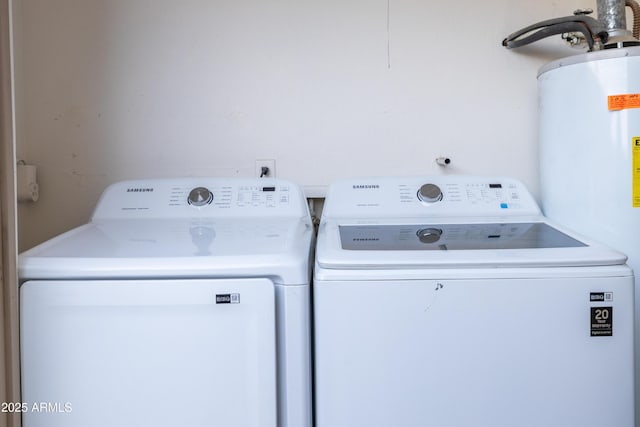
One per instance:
(429,235)
(430,193)
(200,196)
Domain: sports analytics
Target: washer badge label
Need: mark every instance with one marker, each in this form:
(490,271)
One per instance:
(601,296)
(227,298)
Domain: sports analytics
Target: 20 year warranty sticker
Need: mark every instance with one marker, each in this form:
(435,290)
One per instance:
(601,321)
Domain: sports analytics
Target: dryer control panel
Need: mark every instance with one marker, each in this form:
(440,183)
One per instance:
(196,197)
(442,195)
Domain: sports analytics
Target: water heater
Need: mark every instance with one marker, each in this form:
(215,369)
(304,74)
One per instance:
(589,111)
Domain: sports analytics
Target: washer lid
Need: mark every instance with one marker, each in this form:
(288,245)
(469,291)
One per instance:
(161,248)
(380,244)
(448,237)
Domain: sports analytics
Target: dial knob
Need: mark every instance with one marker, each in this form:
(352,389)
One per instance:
(200,196)
(430,193)
(429,235)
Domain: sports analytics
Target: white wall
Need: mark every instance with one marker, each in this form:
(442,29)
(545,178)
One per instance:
(119,89)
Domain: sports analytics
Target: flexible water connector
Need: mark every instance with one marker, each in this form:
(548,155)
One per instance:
(635,8)
(592,29)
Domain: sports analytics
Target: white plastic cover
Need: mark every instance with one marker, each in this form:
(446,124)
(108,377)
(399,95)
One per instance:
(149,353)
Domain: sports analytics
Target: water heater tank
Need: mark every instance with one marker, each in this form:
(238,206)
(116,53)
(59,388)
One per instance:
(589,111)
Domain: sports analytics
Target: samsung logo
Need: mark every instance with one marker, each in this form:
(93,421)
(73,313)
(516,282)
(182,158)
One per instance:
(365,186)
(139,190)
(366,239)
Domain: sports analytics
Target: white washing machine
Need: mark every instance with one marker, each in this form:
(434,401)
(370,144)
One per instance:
(182,302)
(451,301)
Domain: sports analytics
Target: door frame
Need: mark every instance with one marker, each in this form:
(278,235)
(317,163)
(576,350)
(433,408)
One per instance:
(9,333)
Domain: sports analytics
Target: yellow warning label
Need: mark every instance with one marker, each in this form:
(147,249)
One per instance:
(622,102)
(635,173)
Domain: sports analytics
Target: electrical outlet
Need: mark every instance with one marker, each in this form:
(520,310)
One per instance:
(269,172)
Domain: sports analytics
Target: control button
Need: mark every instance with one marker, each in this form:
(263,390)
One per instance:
(503,206)
(430,193)
(429,235)
(200,196)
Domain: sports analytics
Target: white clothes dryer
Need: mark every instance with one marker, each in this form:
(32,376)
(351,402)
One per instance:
(182,302)
(451,301)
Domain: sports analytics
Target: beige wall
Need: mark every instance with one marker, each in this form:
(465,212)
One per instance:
(119,89)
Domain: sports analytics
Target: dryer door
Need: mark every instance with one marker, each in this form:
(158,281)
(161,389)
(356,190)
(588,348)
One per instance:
(148,353)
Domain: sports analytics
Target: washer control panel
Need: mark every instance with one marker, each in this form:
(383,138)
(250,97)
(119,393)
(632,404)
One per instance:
(243,196)
(190,197)
(442,195)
